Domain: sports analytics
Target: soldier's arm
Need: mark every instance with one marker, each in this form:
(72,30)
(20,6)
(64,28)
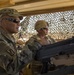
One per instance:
(12,63)
(7,57)
(30,49)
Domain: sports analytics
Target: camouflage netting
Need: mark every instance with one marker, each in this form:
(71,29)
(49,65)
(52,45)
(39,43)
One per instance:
(61,24)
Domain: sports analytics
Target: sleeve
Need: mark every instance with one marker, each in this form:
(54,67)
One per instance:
(7,56)
(12,62)
(30,50)
(51,40)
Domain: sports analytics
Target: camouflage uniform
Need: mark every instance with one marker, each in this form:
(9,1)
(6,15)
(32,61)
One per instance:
(10,12)
(34,43)
(10,61)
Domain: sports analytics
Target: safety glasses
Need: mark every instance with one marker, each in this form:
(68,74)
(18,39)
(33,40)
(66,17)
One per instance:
(44,29)
(12,20)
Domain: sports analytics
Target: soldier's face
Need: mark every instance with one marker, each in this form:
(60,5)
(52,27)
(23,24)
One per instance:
(11,24)
(43,31)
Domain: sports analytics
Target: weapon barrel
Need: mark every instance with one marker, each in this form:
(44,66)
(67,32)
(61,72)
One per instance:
(51,50)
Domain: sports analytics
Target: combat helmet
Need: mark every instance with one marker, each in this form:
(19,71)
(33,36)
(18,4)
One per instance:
(41,24)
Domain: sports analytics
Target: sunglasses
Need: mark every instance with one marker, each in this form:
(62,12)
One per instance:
(44,29)
(12,20)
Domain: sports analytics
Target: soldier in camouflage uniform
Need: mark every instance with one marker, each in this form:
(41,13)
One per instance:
(10,61)
(42,38)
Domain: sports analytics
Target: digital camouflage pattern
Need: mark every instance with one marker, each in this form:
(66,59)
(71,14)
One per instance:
(11,62)
(34,44)
(10,12)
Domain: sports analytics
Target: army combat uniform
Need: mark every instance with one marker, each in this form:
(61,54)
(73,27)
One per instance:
(10,61)
(34,43)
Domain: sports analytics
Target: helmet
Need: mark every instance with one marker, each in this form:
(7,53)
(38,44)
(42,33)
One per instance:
(41,24)
(10,12)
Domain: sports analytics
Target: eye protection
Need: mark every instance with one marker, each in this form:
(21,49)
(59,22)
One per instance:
(44,29)
(12,20)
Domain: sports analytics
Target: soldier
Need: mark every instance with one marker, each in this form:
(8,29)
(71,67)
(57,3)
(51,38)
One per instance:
(11,62)
(38,40)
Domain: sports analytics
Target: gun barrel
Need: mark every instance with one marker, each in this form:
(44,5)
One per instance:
(51,50)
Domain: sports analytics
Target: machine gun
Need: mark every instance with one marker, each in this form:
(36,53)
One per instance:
(64,47)
(58,48)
